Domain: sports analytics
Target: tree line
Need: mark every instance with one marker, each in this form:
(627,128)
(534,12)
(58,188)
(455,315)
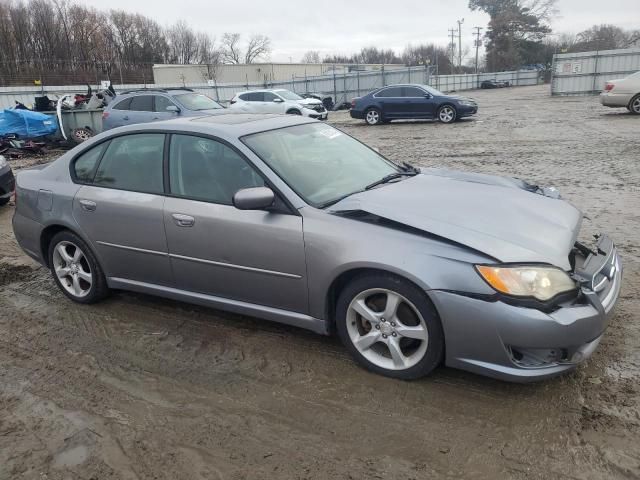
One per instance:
(59,42)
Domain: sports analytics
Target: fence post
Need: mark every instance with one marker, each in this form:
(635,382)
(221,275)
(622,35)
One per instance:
(595,72)
(358,80)
(335,87)
(383,79)
(409,73)
(344,84)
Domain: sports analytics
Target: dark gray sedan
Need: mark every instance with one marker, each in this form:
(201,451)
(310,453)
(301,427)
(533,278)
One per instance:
(288,219)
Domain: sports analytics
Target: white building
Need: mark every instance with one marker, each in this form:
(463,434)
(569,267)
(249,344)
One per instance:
(253,73)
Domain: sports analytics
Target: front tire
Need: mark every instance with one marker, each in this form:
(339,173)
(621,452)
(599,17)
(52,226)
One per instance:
(389,326)
(75,269)
(634,105)
(447,114)
(294,112)
(373,116)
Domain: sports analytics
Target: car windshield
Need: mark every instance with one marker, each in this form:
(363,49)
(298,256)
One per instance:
(433,91)
(197,101)
(319,162)
(288,95)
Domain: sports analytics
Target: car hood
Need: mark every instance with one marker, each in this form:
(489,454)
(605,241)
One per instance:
(309,101)
(505,218)
(212,111)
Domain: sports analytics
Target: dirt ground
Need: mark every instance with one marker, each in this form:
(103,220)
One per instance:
(142,388)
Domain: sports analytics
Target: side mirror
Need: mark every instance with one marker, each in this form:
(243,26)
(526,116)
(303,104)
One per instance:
(257,198)
(278,100)
(427,95)
(173,109)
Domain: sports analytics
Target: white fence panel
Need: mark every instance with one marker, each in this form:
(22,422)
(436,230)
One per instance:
(586,73)
(341,86)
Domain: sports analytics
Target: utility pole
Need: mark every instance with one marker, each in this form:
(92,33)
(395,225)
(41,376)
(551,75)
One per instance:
(452,47)
(477,34)
(460,22)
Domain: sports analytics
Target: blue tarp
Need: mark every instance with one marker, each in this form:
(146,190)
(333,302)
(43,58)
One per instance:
(27,124)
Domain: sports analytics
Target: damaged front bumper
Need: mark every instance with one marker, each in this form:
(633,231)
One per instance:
(521,344)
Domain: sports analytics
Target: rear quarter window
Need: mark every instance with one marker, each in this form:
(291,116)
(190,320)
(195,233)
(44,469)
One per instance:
(86,164)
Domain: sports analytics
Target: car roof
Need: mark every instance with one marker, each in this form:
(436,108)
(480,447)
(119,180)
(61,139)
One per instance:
(264,90)
(155,91)
(230,125)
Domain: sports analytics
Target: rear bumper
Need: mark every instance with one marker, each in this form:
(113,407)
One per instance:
(358,114)
(524,344)
(610,99)
(28,233)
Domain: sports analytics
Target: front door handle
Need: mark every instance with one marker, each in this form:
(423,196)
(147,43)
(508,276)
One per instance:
(125,117)
(183,220)
(88,205)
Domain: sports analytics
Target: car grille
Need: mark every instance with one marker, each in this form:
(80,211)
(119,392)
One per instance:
(317,108)
(600,271)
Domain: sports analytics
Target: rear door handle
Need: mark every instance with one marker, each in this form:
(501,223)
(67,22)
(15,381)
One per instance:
(88,205)
(125,117)
(183,220)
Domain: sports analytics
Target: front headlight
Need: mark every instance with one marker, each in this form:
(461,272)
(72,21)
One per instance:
(3,161)
(542,283)
(467,103)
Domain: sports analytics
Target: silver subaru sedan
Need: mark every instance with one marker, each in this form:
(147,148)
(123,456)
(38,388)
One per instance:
(291,220)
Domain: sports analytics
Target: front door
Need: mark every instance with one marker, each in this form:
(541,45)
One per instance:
(216,249)
(121,207)
(419,105)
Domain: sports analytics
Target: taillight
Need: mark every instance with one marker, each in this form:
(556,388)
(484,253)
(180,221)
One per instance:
(105,115)
(608,87)
(353,103)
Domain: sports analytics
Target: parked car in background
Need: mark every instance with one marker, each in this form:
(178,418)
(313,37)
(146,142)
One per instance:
(396,102)
(486,84)
(278,101)
(7,182)
(152,105)
(624,92)
(325,98)
(289,219)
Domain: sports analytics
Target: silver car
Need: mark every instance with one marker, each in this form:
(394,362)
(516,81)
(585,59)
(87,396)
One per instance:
(291,220)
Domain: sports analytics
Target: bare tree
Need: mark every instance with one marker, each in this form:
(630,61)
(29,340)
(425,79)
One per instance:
(258,47)
(231,52)
(312,56)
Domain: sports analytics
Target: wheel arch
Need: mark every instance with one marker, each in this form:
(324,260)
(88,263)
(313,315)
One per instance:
(291,111)
(50,231)
(343,279)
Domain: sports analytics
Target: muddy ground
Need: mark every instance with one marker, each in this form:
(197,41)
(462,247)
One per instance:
(142,388)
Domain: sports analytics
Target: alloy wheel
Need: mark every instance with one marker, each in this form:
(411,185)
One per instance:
(635,105)
(387,329)
(447,114)
(72,269)
(373,117)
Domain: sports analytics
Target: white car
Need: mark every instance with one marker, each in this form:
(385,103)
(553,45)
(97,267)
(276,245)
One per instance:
(623,93)
(278,101)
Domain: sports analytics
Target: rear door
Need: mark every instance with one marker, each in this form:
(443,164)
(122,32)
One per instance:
(120,206)
(216,249)
(392,102)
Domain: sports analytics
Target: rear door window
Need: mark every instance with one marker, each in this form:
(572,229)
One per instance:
(142,103)
(253,97)
(134,163)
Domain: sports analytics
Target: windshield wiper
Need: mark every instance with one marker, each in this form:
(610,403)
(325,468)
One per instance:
(391,176)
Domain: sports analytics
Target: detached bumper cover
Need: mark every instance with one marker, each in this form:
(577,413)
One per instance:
(524,344)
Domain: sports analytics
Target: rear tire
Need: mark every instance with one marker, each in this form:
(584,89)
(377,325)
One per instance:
(389,326)
(75,269)
(634,105)
(373,116)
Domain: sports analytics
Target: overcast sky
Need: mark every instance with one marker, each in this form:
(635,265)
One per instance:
(344,26)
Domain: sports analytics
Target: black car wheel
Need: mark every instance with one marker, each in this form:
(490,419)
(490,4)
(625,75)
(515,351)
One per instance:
(294,112)
(447,114)
(373,116)
(4,201)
